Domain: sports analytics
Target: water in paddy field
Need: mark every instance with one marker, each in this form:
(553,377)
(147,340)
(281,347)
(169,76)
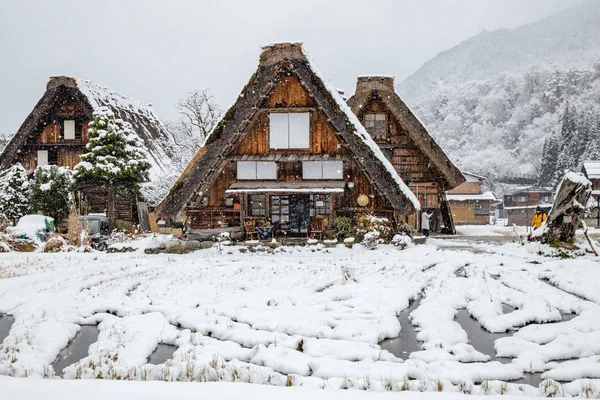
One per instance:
(407,342)
(162,353)
(76,349)
(6,322)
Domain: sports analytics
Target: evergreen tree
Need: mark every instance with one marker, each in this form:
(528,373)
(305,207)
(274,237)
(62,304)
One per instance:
(549,158)
(115,153)
(592,151)
(50,190)
(14,193)
(567,159)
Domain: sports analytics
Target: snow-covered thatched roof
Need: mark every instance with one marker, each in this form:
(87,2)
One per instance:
(91,97)
(277,60)
(591,169)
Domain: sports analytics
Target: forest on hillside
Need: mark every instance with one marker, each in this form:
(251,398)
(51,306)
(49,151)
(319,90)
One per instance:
(538,123)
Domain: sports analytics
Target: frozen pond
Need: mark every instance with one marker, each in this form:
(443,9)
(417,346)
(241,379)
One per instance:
(76,349)
(162,353)
(6,322)
(407,342)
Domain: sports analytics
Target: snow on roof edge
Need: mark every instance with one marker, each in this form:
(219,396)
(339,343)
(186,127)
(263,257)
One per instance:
(362,133)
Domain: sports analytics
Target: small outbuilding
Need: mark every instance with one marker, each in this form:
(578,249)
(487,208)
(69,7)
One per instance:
(469,203)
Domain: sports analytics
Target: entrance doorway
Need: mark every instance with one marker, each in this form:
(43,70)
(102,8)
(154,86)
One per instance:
(299,213)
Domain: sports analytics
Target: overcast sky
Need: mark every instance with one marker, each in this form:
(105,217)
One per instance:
(156,51)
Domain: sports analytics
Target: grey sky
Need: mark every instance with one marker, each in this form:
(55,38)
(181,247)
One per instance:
(156,51)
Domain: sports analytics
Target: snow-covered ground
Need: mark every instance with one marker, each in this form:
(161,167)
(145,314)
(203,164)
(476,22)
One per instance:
(309,316)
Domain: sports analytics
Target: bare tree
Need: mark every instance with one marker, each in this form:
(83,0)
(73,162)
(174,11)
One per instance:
(198,115)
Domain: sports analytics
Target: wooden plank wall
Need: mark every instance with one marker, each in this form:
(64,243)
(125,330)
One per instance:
(289,93)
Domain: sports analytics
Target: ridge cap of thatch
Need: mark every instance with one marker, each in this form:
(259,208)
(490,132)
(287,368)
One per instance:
(377,82)
(276,52)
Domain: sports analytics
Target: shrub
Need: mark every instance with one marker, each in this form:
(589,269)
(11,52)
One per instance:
(368,223)
(401,241)
(14,193)
(343,226)
(371,240)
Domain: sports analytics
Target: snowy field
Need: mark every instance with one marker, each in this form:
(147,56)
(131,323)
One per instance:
(310,317)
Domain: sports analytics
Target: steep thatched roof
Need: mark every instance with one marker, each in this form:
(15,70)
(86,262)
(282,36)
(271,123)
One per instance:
(382,88)
(276,61)
(91,97)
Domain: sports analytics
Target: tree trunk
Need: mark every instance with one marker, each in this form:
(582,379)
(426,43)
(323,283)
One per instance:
(568,209)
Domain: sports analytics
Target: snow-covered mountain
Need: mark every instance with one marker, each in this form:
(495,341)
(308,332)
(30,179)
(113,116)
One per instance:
(492,101)
(569,38)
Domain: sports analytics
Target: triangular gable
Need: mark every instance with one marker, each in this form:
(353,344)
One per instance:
(32,123)
(382,88)
(276,61)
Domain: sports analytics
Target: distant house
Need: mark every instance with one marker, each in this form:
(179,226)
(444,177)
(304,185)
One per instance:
(55,133)
(469,203)
(288,152)
(413,152)
(520,204)
(591,170)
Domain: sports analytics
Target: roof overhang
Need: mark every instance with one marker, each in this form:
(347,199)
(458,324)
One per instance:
(286,187)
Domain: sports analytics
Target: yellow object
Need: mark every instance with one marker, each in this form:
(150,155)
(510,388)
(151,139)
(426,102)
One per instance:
(538,219)
(362,200)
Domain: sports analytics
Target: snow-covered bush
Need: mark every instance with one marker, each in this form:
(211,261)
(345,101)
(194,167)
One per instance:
(50,190)
(368,222)
(14,193)
(401,241)
(371,239)
(115,153)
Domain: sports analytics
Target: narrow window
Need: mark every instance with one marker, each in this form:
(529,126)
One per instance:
(42,158)
(252,170)
(69,130)
(289,130)
(258,205)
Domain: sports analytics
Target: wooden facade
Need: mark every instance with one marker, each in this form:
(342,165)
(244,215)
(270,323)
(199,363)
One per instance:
(414,154)
(469,204)
(215,190)
(521,203)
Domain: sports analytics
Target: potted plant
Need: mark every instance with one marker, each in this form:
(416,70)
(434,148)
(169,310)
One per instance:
(223,222)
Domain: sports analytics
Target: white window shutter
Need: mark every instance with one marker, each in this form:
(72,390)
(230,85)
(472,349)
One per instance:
(278,130)
(246,170)
(312,170)
(299,131)
(333,170)
(266,170)
(42,158)
(69,130)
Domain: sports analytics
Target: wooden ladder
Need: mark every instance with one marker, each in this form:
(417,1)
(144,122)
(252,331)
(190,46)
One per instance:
(449,227)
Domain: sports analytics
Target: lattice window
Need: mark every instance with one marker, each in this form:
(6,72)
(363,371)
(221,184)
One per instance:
(258,205)
(376,125)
